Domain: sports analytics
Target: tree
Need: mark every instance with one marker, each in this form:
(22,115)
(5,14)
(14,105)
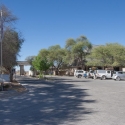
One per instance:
(109,55)
(30,59)
(12,40)
(41,64)
(56,55)
(69,58)
(77,50)
(8,17)
(43,53)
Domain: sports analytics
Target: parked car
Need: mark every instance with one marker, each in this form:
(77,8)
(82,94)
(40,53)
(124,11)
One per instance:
(104,74)
(118,75)
(79,73)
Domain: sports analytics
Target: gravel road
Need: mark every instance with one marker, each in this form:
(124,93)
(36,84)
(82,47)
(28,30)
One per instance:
(65,101)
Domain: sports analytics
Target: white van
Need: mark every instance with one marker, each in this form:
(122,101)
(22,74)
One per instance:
(104,74)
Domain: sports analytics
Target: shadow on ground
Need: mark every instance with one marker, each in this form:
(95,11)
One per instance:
(46,103)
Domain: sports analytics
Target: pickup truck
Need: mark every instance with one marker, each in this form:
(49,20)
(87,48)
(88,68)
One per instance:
(104,74)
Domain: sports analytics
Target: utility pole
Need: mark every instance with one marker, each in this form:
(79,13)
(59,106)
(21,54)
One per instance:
(1,38)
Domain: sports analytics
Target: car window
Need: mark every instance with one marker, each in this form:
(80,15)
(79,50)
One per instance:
(120,72)
(80,71)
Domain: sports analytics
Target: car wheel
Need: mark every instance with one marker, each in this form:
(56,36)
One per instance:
(118,78)
(103,77)
(79,76)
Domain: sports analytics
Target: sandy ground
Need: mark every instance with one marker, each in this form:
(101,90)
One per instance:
(17,87)
(14,86)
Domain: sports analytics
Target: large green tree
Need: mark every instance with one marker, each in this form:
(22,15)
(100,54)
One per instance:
(77,50)
(57,56)
(109,55)
(41,64)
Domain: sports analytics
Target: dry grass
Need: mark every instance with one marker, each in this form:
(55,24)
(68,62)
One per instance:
(14,86)
(17,87)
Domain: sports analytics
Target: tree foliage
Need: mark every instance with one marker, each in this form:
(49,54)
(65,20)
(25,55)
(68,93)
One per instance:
(109,55)
(29,59)
(12,40)
(77,51)
(8,16)
(11,45)
(56,55)
(41,64)
(43,53)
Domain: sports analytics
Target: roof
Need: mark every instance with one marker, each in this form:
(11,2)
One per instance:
(23,63)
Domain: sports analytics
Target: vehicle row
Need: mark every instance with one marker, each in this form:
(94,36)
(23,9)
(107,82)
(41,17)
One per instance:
(100,74)
(82,73)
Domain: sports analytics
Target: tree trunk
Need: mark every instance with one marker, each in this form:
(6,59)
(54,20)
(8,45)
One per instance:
(11,77)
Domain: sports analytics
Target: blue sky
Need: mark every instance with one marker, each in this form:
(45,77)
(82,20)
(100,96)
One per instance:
(44,23)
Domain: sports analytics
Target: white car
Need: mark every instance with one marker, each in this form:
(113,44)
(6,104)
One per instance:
(118,75)
(79,73)
(104,74)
